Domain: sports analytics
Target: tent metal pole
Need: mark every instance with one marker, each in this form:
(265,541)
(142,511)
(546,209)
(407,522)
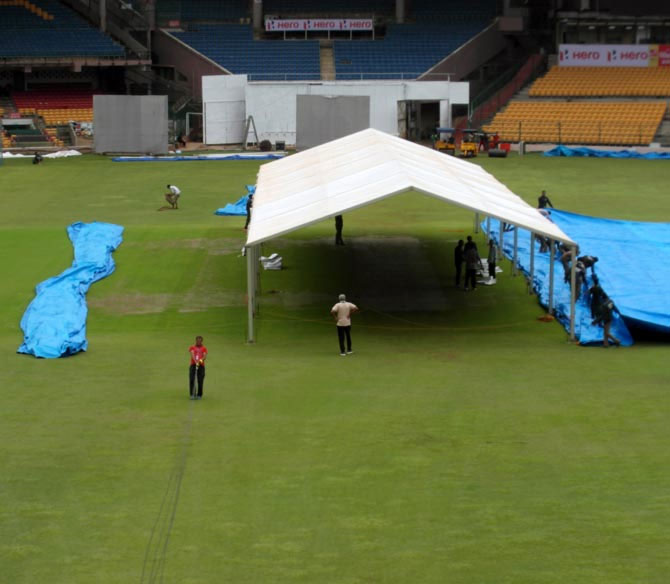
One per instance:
(488,227)
(476,222)
(251,292)
(573,290)
(502,235)
(552,252)
(516,250)
(257,289)
(532,263)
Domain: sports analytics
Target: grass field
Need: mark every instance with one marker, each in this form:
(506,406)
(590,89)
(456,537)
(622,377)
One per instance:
(464,442)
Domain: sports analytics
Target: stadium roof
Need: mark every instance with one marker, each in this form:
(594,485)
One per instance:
(368,166)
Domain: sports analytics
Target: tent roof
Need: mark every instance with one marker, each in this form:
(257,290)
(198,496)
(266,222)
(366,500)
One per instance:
(368,166)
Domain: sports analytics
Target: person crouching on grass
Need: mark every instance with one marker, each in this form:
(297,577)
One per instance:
(198,355)
(172,196)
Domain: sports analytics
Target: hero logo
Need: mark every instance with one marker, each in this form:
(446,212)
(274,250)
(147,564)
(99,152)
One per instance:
(628,56)
(585,55)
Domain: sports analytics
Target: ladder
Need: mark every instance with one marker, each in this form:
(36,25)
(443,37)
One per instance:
(250,125)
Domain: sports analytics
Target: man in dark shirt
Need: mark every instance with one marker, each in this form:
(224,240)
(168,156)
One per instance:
(458,261)
(589,262)
(602,309)
(543,201)
(250,204)
(472,264)
(339,224)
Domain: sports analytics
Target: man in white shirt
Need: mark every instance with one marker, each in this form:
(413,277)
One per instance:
(172,196)
(342,312)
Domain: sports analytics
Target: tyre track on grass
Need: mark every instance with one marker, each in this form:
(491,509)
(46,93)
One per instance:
(155,555)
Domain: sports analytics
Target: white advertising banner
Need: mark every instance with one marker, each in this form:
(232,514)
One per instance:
(614,55)
(302,24)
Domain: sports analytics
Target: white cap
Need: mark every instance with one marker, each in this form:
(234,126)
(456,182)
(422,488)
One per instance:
(342,297)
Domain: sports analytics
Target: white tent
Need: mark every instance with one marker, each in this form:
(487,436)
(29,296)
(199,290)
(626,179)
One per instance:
(363,168)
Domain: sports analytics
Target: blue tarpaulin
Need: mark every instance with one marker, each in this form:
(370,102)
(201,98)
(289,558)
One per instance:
(592,152)
(239,207)
(633,263)
(633,268)
(196,158)
(54,324)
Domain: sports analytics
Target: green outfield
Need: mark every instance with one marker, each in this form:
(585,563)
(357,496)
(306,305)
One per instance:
(464,441)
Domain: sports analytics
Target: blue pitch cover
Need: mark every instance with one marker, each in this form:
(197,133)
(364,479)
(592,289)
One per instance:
(594,153)
(196,158)
(633,268)
(239,207)
(54,324)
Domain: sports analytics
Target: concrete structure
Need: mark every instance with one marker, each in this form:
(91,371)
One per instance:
(229,99)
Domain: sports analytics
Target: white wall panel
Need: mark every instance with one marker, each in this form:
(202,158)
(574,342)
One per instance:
(224,108)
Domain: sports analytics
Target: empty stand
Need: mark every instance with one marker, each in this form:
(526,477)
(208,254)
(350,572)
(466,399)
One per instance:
(407,51)
(603,82)
(202,10)
(453,11)
(233,47)
(289,7)
(579,122)
(46,28)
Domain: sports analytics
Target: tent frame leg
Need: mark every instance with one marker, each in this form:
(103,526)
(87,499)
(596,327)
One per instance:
(502,237)
(257,271)
(552,252)
(573,290)
(532,263)
(516,251)
(476,222)
(252,265)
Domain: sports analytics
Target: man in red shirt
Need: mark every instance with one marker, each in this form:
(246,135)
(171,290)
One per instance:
(197,367)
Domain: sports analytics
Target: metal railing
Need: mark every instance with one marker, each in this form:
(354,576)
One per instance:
(350,76)
(500,91)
